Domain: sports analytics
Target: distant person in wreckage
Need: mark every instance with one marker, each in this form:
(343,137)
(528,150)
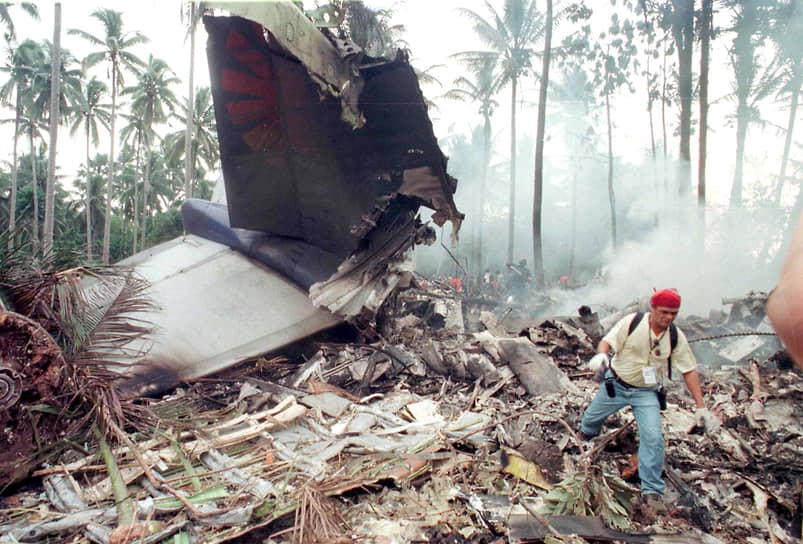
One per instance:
(644,346)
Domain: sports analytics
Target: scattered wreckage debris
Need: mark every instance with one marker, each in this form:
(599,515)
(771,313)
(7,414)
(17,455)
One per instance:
(372,443)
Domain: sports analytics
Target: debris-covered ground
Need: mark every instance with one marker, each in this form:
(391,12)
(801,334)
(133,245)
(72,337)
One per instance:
(450,421)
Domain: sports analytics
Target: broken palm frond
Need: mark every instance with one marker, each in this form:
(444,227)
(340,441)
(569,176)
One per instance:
(20,274)
(592,493)
(316,518)
(98,309)
(187,464)
(207,495)
(99,317)
(90,313)
(125,509)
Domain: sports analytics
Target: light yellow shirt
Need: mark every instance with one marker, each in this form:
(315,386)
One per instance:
(636,351)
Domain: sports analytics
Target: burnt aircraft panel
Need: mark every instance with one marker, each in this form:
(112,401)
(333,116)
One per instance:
(292,167)
(216,307)
(296,260)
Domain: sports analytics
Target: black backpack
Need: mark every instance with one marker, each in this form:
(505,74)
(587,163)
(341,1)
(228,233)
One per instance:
(673,338)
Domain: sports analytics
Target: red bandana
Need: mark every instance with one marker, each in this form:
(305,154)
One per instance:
(668,298)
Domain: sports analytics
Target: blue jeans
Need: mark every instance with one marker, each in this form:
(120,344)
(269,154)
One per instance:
(647,412)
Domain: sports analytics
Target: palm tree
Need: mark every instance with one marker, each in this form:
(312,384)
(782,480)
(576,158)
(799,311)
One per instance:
(132,136)
(55,82)
(126,191)
(371,29)
(509,37)
(706,31)
(742,55)
(613,66)
(538,182)
(28,201)
(55,77)
(788,24)
(678,17)
(5,16)
(481,90)
(90,181)
(166,180)
(33,98)
(575,94)
(20,69)
(151,100)
(6,20)
(115,49)
(32,121)
(42,83)
(193,16)
(752,81)
(202,143)
(89,111)
(648,33)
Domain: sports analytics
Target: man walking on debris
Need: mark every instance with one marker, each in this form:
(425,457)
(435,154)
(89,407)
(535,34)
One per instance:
(644,346)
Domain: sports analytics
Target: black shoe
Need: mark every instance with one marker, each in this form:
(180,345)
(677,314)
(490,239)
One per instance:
(586,436)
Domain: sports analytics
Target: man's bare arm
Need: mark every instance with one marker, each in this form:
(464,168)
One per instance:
(692,379)
(785,303)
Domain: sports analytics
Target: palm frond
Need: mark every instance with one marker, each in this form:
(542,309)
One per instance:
(97,309)
(31,9)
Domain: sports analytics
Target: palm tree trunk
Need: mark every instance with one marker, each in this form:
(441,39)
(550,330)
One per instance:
(145,191)
(55,87)
(573,240)
(12,212)
(512,219)
(189,161)
(486,157)
(663,118)
(651,120)
(611,195)
(790,128)
(684,40)
(88,199)
(107,224)
(538,189)
(35,222)
(738,173)
(135,226)
(705,29)
(649,95)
